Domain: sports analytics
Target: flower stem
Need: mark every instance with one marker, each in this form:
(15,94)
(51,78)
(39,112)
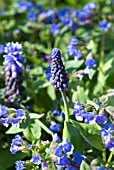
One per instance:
(104,154)
(102,48)
(110,157)
(66,109)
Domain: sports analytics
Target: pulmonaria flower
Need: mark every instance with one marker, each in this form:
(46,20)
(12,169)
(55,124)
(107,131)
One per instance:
(1,48)
(36,159)
(20,114)
(70,167)
(47,16)
(107,135)
(3,111)
(59,76)
(20,165)
(55,137)
(55,29)
(90,63)
(56,112)
(89,117)
(104,25)
(48,73)
(90,6)
(44,166)
(32,16)
(67,147)
(63,161)
(78,111)
(101,119)
(55,127)
(13,62)
(16,144)
(25,5)
(78,158)
(101,168)
(71,47)
(82,15)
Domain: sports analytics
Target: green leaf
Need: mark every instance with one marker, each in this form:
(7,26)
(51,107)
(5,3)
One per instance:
(51,92)
(13,130)
(7,159)
(35,115)
(91,133)
(73,64)
(84,166)
(93,104)
(32,131)
(73,136)
(110,110)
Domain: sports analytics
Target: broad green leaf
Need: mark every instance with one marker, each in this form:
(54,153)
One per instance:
(73,64)
(51,92)
(13,130)
(35,115)
(84,166)
(110,110)
(7,159)
(90,133)
(73,135)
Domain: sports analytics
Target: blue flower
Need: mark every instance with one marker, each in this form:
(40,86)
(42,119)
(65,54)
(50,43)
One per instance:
(25,5)
(55,137)
(5,121)
(90,6)
(104,25)
(101,168)
(101,119)
(78,158)
(110,144)
(55,29)
(63,161)
(36,159)
(78,111)
(63,13)
(3,111)
(20,114)
(13,59)
(20,165)
(56,112)
(58,151)
(16,144)
(55,127)
(74,41)
(32,16)
(89,117)
(90,62)
(48,73)
(82,15)
(70,167)
(1,48)
(67,147)
(44,166)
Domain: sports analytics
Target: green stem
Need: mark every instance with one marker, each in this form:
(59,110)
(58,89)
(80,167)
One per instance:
(44,127)
(104,154)
(110,157)
(57,41)
(102,48)
(66,109)
(53,3)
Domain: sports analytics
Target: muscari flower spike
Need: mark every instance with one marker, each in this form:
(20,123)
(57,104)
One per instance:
(59,76)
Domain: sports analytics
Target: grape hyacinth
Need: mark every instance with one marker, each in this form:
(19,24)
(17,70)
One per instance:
(13,62)
(59,76)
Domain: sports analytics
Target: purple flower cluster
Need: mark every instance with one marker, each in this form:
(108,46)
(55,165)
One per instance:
(59,76)
(107,135)
(63,151)
(6,118)
(72,51)
(88,117)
